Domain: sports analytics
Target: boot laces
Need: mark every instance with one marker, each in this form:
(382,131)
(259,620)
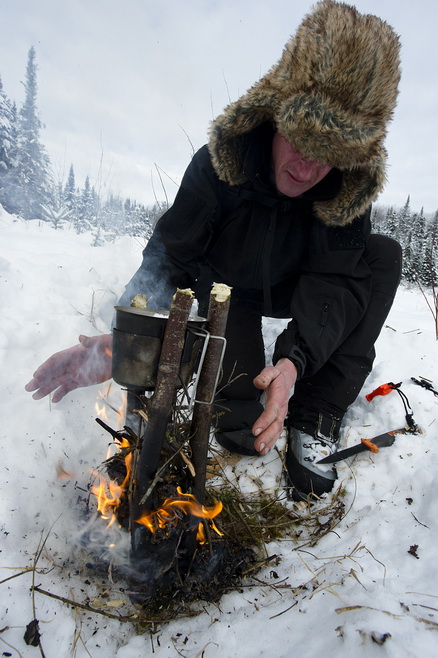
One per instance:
(321,446)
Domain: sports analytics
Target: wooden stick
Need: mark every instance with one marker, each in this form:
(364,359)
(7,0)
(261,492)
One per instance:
(203,409)
(160,408)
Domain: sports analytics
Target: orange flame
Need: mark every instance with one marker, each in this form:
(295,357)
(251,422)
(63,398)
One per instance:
(169,514)
(101,408)
(109,493)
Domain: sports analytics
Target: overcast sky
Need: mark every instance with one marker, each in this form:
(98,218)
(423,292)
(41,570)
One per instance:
(126,86)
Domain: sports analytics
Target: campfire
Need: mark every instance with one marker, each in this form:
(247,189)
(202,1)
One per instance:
(114,489)
(154,486)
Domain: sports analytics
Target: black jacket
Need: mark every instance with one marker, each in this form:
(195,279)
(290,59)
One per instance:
(270,248)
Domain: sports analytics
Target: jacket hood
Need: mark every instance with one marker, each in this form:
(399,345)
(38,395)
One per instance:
(331,95)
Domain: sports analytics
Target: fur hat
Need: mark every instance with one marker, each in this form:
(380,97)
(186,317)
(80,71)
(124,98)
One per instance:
(331,95)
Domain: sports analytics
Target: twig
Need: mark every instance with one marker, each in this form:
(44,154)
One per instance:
(162,185)
(158,476)
(9,645)
(284,611)
(189,140)
(379,562)
(260,564)
(423,524)
(247,526)
(83,606)
(184,457)
(352,608)
(16,575)
(226,85)
(35,562)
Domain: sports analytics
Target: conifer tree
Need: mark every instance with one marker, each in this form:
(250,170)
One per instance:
(433,230)
(5,132)
(404,223)
(71,200)
(8,148)
(391,223)
(408,271)
(33,162)
(87,208)
(424,252)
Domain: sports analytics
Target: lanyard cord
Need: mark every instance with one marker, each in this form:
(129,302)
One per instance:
(404,398)
(384,389)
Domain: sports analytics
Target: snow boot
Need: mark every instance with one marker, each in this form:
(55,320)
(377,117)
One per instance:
(311,436)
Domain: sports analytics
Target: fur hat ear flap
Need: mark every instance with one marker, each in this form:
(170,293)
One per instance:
(229,133)
(359,186)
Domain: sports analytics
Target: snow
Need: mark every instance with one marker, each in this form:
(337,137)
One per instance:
(358,586)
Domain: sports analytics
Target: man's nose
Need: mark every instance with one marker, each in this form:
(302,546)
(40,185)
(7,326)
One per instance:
(307,169)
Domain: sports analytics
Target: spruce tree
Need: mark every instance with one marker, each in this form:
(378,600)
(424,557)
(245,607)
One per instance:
(433,230)
(408,271)
(70,196)
(33,162)
(5,132)
(391,223)
(425,260)
(8,149)
(87,208)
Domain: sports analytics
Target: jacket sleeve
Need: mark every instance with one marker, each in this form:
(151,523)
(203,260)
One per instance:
(170,259)
(330,298)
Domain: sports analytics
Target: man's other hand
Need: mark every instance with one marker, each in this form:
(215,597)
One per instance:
(277,382)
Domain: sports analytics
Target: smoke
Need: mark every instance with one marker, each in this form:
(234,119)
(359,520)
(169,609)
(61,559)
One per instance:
(95,542)
(153,278)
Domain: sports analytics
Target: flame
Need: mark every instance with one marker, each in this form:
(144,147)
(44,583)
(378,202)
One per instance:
(101,408)
(169,514)
(108,492)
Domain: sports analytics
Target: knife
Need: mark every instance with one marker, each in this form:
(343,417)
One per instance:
(381,441)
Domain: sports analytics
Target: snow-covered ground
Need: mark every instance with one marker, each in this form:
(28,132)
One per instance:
(367,588)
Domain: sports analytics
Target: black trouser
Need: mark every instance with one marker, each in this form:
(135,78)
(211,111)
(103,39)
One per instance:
(333,388)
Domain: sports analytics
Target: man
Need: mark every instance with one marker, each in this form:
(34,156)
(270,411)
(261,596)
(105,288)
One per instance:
(277,205)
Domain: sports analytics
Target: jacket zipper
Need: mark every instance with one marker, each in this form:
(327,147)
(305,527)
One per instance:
(266,263)
(323,317)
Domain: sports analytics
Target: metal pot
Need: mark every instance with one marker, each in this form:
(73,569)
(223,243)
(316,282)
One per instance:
(137,340)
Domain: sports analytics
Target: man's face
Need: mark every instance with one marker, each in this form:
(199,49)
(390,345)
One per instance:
(293,174)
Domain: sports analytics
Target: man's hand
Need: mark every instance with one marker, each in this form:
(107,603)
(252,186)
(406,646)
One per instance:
(82,365)
(277,382)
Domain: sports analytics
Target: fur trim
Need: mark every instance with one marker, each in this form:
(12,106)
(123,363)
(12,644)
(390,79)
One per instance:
(331,95)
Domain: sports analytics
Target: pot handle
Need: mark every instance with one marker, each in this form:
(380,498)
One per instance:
(203,333)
